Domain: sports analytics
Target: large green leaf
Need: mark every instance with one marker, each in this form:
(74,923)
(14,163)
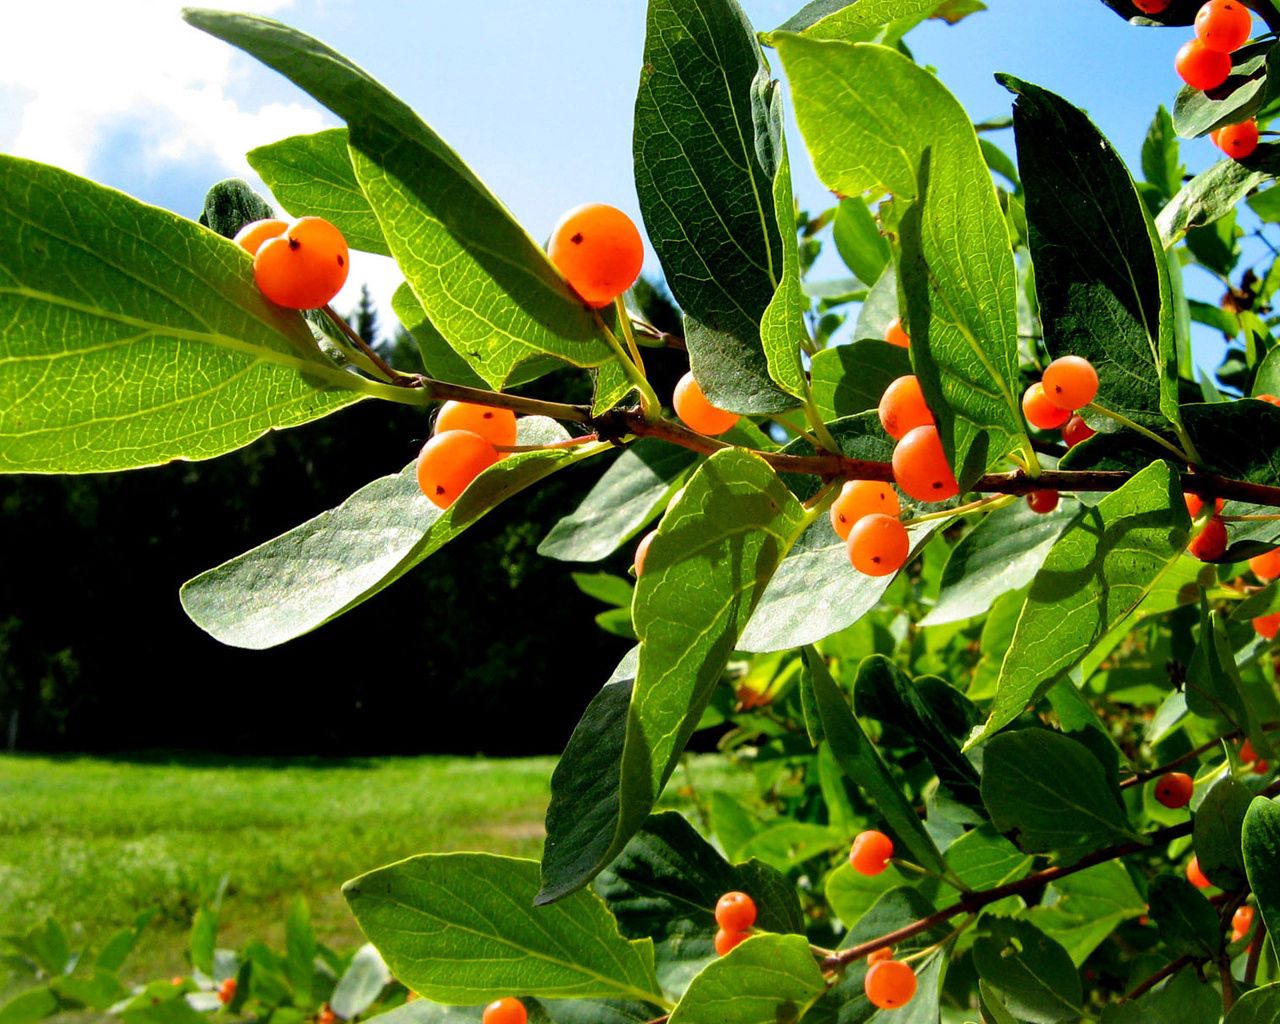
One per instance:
(1052,792)
(1033,973)
(872,118)
(859,241)
(312,176)
(1185,999)
(1081,910)
(317,571)
(1261,1006)
(482,280)
(783,333)
(1219,821)
(1187,921)
(714,553)
(1213,681)
(1211,194)
(838,19)
(1237,439)
(462,928)
(29,1007)
(628,494)
(1102,282)
(439,359)
(1098,572)
(707,149)
(130,336)
(1260,840)
(1250,86)
(850,379)
(767,979)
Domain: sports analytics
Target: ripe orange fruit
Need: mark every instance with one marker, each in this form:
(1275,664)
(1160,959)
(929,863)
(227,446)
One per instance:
(726,940)
(1247,753)
(326,1015)
(1042,502)
(1070,382)
(890,984)
(902,407)
(505,1011)
(642,552)
(1261,767)
(1195,876)
(895,335)
(450,461)
(735,912)
(920,466)
(305,267)
(227,991)
(1195,504)
(883,953)
(1271,399)
(497,426)
(1239,141)
(252,235)
(878,544)
(1040,412)
(598,250)
(1173,789)
(1200,67)
(1076,430)
(696,412)
(1241,922)
(1211,542)
(871,852)
(1224,25)
(1267,626)
(860,498)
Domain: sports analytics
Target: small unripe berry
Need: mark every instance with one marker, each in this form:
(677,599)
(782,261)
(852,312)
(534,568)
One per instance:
(1195,876)
(1076,430)
(505,1011)
(1241,922)
(1040,412)
(860,498)
(598,250)
(252,235)
(1267,626)
(1152,6)
(871,852)
(726,940)
(878,544)
(497,426)
(903,408)
(1224,25)
(696,412)
(1042,502)
(227,991)
(876,955)
(735,912)
(305,267)
(450,461)
(642,552)
(920,466)
(1211,542)
(1070,382)
(1200,67)
(890,984)
(1238,140)
(895,335)
(1174,789)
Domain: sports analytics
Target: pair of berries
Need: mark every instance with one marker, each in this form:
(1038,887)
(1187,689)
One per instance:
(1222,26)
(598,250)
(1069,383)
(1174,789)
(505,1011)
(920,466)
(1210,543)
(1250,757)
(735,914)
(462,448)
(865,517)
(302,265)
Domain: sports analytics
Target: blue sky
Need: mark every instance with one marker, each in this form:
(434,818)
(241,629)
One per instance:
(537,96)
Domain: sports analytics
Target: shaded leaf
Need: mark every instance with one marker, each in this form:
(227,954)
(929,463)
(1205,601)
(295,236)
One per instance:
(1219,821)
(767,979)
(1187,921)
(1081,910)
(850,379)
(1032,972)
(1260,840)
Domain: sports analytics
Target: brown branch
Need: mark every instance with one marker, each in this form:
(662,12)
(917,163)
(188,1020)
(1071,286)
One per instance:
(1177,762)
(1167,971)
(1255,950)
(1228,989)
(393,375)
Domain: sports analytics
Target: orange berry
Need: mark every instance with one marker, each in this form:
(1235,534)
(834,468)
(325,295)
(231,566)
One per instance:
(1267,626)
(735,912)
(878,544)
(642,552)
(1241,922)
(450,461)
(1076,430)
(1272,399)
(726,940)
(890,984)
(1042,502)
(920,466)
(326,1015)
(1238,141)
(696,412)
(1070,382)
(505,1011)
(1224,25)
(1211,542)
(895,335)
(860,498)
(252,235)
(1195,876)
(305,267)
(902,407)
(1040,412)
(598,250)
(1247,753)
(871,852)
(1195,504)
(497,426)
(1200,67)
(177,982)
(1173,789)
(227,991)
(1152,6)
(876,955)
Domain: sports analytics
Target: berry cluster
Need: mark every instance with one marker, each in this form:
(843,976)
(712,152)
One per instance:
(302,265)
(736,915)
(462,448)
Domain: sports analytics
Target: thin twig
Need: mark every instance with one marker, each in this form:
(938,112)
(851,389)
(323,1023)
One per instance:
(393,375)
(1255,950)
(1167,971)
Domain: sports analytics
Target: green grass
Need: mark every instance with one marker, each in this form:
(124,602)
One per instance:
(93,842)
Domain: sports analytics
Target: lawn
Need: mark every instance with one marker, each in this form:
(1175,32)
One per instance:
(94,841)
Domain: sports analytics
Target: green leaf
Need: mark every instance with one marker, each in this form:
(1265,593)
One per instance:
(312,176)
(482,280)
(1160,163)
(1237,439)
(1213,682)
(767,979)
(859,241)
(1260,840)
(29,1007)
(317,571)
(714,553)
(783,332)
(100,991)
(1249,87)
(361,983)
(1211,194)
(230,205)
(1032,972)
(115,355)
(1261,1006)
(984,859)
(204,937)
(707,147)
(1184,999)
(461,928)
(439,360)
(606,587)
(627,496)
(1052,792)
(1102,283)
(1002,553)
(1081,910)
(838,19)
(1097,573)
(863,765)
(872,118)
(850,379)
(1187,921)
(1218,823)
(300,946)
